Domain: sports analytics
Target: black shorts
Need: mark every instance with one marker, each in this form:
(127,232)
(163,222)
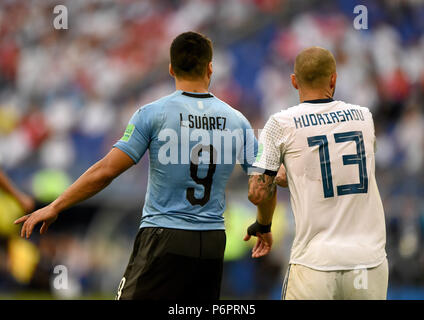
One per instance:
(173,264)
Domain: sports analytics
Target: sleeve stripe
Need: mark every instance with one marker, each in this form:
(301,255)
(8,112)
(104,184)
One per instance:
(270,173)
(128,150)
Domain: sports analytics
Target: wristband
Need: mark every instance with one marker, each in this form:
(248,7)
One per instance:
(258,228)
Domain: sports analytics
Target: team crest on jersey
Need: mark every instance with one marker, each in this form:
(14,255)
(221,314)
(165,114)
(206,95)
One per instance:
(128,133)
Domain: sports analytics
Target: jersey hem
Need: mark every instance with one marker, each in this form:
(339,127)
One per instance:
(185,227)
(338,268)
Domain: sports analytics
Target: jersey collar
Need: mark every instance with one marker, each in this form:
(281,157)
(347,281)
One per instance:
(319,100)
(197,95)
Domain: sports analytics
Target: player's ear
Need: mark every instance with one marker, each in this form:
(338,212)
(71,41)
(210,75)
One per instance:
(293,81)
(333,80)
(210,69)
(171,71)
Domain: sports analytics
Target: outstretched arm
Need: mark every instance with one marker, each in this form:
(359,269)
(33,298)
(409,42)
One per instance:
(25,201)
(263,194)
(95,179)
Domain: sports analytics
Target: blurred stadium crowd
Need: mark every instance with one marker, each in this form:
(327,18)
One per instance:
(66,97)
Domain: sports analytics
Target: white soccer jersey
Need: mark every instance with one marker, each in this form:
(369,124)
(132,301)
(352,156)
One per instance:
(327,148)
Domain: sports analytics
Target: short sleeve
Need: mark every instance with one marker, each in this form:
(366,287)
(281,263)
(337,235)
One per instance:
(250,146)
(269,156)
(137,135)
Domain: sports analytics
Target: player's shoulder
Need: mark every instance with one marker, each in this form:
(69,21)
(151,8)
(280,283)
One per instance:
(153,109)
(226,106)
(158,104)
(365,111)
(348,105)
(285,116)
(231,110)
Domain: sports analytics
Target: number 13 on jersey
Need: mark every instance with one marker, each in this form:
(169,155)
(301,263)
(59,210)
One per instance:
(358,159)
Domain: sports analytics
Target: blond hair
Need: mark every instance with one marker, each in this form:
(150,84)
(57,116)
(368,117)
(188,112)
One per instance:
(314,66)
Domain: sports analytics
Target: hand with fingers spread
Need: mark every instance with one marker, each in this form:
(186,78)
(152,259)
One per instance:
(46,215)
(264,239)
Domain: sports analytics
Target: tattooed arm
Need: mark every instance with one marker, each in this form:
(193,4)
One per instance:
(262,185)
(262,193)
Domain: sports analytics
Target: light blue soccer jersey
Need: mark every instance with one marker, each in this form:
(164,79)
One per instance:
(194,142)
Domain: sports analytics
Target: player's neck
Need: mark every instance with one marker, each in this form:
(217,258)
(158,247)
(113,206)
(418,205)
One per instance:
(307,95)
(197,86)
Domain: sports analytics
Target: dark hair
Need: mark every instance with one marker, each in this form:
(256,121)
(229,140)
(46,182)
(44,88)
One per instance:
(190,53)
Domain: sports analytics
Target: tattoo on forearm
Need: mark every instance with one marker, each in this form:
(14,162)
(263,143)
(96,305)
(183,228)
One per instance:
(263,185)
